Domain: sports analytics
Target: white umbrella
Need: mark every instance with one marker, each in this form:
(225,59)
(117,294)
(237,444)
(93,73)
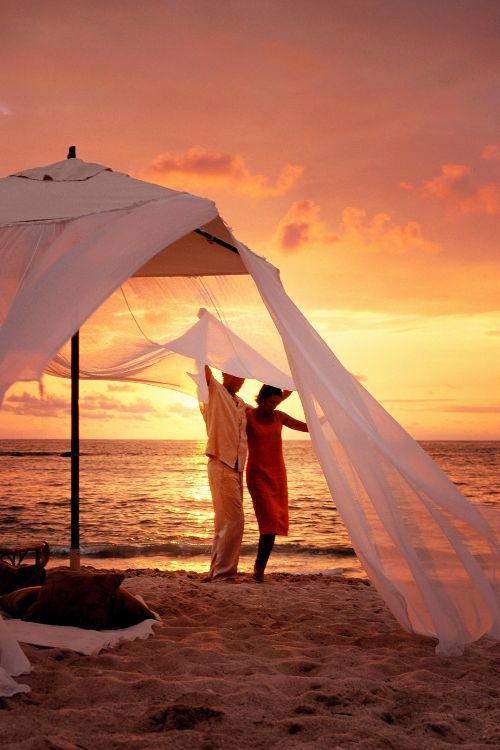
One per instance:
(71,233)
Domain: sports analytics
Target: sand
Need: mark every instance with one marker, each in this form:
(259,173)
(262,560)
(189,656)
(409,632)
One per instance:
(297,662)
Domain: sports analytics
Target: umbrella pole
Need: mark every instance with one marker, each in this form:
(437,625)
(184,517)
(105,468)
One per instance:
(74,553)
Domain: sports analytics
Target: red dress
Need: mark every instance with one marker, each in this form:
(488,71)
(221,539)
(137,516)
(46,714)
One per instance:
(266,474)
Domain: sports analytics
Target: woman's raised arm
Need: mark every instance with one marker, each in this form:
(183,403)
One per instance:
(293,424)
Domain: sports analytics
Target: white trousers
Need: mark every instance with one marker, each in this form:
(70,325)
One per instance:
(226,486)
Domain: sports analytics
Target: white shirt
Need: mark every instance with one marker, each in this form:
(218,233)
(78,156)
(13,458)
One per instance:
(226,421)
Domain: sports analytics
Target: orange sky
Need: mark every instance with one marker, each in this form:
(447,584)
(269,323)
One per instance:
(355,144)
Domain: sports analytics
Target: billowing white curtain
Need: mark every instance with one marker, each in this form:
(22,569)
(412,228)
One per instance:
(54,275)
(431,554)
(128,337)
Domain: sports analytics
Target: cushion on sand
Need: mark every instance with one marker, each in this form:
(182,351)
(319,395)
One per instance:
(127,611)
(84,600)
(15,578)
(17,602)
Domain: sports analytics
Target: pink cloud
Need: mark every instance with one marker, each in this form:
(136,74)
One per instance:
(103,407)
(454,180)
(120,387)
(200,166)
(457,187)
(381,234)
(197,161)
(25,404)
(91,407)
(492,151)
(472,409)
(301,226)
(181,410)
(294,235)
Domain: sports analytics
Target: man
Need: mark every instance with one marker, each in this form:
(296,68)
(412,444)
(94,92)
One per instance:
(225,419)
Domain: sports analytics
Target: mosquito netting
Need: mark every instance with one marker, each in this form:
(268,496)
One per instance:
(156,300)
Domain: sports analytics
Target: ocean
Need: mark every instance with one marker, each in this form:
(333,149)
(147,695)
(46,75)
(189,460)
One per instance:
(146,504)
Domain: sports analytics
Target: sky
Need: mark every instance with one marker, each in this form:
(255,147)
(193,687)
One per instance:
(354,143)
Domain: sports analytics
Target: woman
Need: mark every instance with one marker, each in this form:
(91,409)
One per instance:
(266,473)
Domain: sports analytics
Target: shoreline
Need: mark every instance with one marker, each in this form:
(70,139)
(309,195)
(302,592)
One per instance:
(345,565)
(301,661)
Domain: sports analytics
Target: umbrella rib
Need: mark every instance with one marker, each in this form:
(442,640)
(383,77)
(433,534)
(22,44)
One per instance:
(212,238)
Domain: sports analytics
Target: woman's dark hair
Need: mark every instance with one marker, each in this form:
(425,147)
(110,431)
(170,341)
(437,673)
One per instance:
(266,391)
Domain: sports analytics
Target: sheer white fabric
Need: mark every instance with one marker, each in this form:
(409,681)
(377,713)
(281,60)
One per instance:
(430,553)
(127,338)
(13,662)
(83,641)
(70,234)
(55,275)
(433,557)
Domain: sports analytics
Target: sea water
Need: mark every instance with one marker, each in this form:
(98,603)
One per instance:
(146,504)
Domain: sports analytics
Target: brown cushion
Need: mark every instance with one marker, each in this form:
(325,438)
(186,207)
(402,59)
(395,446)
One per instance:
(15,578)
(127,611)
(17,602)
(84,600)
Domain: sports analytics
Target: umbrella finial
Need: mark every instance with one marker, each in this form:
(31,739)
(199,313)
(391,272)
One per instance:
(72,152)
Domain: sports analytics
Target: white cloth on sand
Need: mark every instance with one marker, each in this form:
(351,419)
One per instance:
(89,642)
(13,662)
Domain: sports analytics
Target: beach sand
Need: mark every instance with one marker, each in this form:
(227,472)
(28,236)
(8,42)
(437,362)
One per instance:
(297,662)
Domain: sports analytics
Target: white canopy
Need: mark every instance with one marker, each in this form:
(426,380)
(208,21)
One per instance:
(82,244)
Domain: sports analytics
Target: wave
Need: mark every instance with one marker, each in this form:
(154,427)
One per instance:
(184,549)
(39,454)
(22,454)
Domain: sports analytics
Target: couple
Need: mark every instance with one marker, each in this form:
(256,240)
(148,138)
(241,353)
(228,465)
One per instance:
(230,424)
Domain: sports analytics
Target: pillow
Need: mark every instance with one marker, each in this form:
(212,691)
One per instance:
(13,578)
(84,600)
(17,602)
(127,611)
